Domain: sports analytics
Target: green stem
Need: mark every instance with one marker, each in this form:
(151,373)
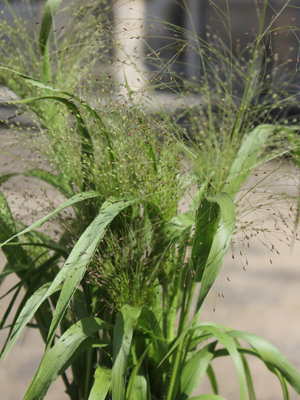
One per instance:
(174,377)
(88,373)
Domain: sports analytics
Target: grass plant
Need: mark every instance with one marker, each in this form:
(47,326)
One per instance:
(116,297)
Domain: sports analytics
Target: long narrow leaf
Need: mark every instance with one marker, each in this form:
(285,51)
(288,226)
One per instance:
(208,397)
(218,250)
(121,345)
(75,199)
(90,110)
(206,225)
(86,144)
(102,384)
(27,313)
(81,255)
(194,370)
(15,256)
(220,245)
(247,155)
(57,360)
(271,356)
(229,344)
(44,38)
(84,244)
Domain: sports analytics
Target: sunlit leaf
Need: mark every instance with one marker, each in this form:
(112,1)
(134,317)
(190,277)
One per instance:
(58,359)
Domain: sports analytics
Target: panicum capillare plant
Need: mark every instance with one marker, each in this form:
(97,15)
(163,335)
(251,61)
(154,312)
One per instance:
(117,297)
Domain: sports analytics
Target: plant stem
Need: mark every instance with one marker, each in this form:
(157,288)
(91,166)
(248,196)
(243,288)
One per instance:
(88,373)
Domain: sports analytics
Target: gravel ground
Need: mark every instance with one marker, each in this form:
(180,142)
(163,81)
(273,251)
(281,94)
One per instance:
(256,291)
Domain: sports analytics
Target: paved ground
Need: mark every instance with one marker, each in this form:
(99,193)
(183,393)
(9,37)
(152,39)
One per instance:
(257,290)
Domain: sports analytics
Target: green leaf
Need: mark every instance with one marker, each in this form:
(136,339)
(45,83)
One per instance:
(15,256)
(75,199)
(102,384)
(47,20)
(284,387)
(44,37)
(206,225)
(72,270)
(225,339)
(134,386)
(251,391)
(86,141)
(179,224)
(139,389)
(212,379)
(148,323)
(32,81)
(220,245)
(80,257)
(271,356)
(123,332)
(90,110)
(61,355)
(251,147)
(27,313)
(208,397)
(195,369)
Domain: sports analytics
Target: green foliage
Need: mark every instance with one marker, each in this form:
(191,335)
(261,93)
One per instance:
(118,295)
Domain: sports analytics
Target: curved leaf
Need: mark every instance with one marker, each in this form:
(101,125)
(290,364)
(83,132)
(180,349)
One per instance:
(225,339)
(6,177)
(220,244)
(75,199)
(252,145)
(271,356)
(57,360)
(72,270)
(48,88)
(80,257)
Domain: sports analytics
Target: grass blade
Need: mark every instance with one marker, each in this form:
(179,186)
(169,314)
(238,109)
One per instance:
(121,346)
(75,199)
(15,256)
(90,110)
(212,379)
(57,360)
(194,370)
(101,384)
(229,344)
(80,257)
(251,391)
(208,397)
(220,245)
(206,225)
(44,37)
(247,156)
(271,357)
(81,247)
(27,313)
